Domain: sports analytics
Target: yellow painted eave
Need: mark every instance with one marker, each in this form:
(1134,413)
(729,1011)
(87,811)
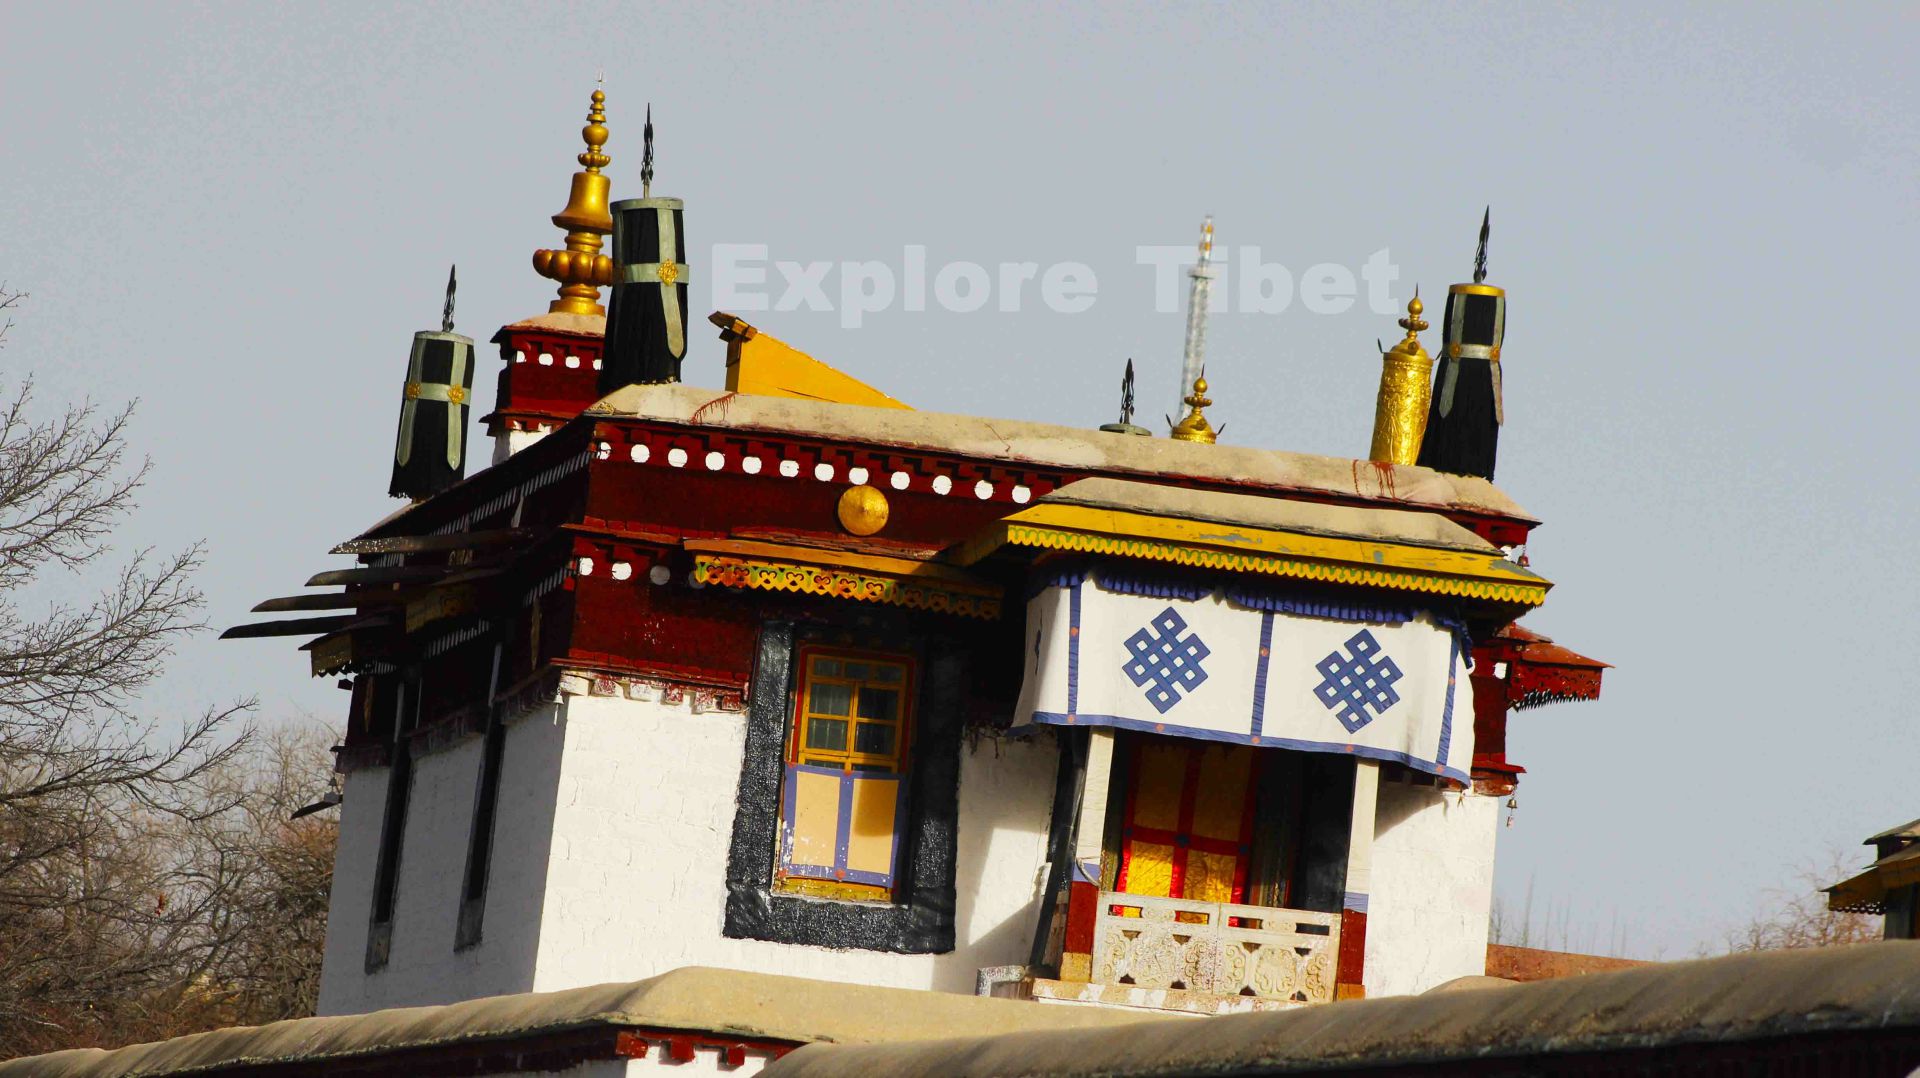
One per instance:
(1208,544)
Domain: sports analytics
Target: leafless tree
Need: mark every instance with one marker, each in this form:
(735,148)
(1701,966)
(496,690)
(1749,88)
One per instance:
(122,872)
(267,937)
(162,924)
(1797,914)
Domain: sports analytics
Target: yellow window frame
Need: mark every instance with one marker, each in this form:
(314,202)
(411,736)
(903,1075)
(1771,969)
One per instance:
(849,757)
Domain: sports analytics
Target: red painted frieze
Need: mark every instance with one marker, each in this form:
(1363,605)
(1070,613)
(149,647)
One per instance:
(550,377)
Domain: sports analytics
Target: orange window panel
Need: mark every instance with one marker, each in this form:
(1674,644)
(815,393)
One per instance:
(1187,822)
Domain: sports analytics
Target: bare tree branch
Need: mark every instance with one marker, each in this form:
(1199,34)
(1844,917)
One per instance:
(150,884)
(1798,915)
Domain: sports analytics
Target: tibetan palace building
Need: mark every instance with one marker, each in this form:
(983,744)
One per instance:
(786,677)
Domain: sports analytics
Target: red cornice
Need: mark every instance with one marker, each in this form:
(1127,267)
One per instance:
(550,376)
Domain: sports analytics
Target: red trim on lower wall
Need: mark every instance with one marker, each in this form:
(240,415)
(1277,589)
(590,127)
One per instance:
(1083,906)
(1351,970)
(681,1045)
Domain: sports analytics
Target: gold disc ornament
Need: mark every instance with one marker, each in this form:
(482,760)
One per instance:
(863,510)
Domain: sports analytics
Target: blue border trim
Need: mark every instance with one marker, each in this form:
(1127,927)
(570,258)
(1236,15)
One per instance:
(1303,599)
(843,826)
(1355,901)
(1337,748)
(1446,713)
(1462,636)
(1073,651)
(788,791)
(1260,674)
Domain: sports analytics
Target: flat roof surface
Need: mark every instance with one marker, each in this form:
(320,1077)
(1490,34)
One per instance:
(728,1002)
(1412,527)
(1870,986)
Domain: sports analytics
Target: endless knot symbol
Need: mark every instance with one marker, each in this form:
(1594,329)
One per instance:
(1164,662)
(1354,682)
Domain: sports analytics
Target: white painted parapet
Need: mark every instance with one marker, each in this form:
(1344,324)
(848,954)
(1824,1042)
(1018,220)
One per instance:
(1432,887)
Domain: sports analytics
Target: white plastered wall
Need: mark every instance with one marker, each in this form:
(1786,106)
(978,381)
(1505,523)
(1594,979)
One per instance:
(362,804)
(423,967)
(508,442)
(644,820)
(1432,887)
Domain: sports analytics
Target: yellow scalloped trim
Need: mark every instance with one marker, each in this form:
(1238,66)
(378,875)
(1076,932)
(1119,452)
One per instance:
(946,597)
(1052,539)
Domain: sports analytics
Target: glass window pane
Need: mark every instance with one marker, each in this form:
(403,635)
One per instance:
(883,704)
(825,698)
(828,734)
(873,737)
(826,667)
(889,675)
(856,671)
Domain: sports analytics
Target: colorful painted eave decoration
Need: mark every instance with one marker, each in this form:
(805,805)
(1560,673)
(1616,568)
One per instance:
(1210,545)
(831,574)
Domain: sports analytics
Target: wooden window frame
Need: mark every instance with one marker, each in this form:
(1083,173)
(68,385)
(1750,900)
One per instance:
(920,919)
(804,717)
(839,881)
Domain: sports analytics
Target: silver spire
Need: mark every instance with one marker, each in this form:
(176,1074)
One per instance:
(1193,359)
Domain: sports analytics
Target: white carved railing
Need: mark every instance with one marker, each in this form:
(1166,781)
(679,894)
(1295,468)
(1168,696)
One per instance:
(1197,946)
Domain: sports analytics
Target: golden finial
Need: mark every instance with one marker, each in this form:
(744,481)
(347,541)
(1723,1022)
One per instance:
(1193,427)
(1413,324)
(1406,391)
(595,134)
(581,269)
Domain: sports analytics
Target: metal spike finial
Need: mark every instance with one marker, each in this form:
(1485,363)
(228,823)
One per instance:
(1126,394)
(1480,256)
(646,156)
(446,313)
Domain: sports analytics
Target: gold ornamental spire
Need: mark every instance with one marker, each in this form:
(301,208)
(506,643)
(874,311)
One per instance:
(581,269)
(1406,389)
(1193,427)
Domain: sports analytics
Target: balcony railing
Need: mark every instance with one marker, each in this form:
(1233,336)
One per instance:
(1218,948)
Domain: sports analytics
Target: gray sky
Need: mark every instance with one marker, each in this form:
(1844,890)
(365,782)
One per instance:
(1705,219)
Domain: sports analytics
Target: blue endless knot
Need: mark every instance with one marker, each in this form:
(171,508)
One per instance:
(1164,662)
(1354,682)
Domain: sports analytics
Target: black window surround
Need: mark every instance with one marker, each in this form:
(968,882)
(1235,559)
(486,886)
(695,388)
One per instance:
(393,826)
(920,920)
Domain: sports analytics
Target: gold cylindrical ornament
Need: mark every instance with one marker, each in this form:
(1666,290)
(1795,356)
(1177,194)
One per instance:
(1400,412)
(1406,391)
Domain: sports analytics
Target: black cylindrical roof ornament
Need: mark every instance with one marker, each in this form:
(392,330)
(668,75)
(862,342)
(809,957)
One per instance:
(1464,419)
(430,450)
(647,314)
